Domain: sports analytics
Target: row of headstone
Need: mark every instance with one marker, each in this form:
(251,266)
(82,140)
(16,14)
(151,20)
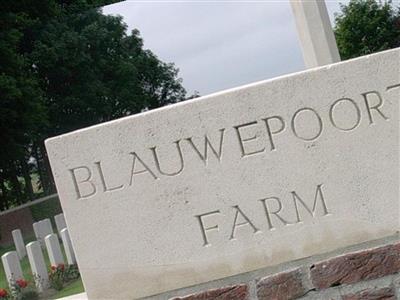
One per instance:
(45,238)
(39,269)
(41,229)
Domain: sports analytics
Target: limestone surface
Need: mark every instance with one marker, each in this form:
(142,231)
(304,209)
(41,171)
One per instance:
(235,181)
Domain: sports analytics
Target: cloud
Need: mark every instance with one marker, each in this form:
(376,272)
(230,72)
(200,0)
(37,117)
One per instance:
(218,45)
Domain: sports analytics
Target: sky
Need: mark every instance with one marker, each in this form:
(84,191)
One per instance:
(219,44)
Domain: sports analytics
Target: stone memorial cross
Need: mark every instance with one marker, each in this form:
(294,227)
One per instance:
(315,32)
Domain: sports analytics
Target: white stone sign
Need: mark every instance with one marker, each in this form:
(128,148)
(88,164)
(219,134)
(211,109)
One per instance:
(235,181)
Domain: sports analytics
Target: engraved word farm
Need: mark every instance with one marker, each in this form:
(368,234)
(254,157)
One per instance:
(227,183)
(252,138)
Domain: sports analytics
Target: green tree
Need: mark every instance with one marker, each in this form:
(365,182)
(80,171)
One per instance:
(366,26)
(64,66)
(22,109)
(91,71)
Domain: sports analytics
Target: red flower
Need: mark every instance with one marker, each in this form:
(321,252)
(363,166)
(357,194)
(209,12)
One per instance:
(53,268)
(22,283)
(61,267)
(3,293)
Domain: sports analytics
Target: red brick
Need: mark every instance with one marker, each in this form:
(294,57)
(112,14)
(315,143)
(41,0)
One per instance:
(237,292)
(372,294)
(282,286)
(358,266)
(18,219)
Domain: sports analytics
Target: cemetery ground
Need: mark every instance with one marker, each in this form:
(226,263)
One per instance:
(72,288)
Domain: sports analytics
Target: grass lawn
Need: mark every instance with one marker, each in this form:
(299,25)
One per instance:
(74,287)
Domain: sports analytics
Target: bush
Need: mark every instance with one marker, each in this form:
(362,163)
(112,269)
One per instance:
(46,209)
(20,290)
(59,275)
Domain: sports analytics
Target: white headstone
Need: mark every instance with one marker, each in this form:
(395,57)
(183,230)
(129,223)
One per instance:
(60,222)
(46,227)
(42,229)
(315,32)
(19,243)
(69,251)
(38,266)
(54,250)
(36,230)
(239,180)
(12,267)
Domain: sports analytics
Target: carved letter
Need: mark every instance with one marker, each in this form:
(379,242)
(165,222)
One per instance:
(276,212)
(270,132)
(103,180)
(358,113)
(318,119)
(205,229)
(146,168)
(395,86)
(156,160)
(375,107)
(312,212)
(87,180)
(207,143)
(241,140)
(247,222)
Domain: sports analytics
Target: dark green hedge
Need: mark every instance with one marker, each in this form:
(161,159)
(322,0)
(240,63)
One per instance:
(46,209)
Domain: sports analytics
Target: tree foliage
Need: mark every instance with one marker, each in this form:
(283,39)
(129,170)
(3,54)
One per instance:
(91,71)
(367,26)
(65,65)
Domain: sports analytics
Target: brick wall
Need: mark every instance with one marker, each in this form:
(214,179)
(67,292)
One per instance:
(22,217)
(366,271)
(19,219)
